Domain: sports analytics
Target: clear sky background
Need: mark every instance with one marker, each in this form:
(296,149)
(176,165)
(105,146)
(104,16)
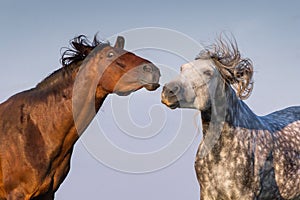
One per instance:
(32,33)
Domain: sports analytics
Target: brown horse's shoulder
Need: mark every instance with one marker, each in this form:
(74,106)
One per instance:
(12,112)
(22,141)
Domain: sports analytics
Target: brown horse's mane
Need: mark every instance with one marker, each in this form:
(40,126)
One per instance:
(71,58)
(81,47)
(234,69)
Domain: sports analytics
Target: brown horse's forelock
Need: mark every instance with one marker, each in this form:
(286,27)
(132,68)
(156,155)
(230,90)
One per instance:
(234,69)
(81,47)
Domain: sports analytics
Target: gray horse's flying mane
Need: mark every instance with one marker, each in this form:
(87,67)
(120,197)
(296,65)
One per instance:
(234,69)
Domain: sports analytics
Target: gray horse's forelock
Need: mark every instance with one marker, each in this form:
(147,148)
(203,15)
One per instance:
(234,69)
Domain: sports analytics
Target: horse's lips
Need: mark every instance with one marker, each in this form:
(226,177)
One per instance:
(152,86)
(148,86)
(172,105)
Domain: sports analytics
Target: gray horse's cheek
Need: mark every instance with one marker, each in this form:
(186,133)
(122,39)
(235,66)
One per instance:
(201,101)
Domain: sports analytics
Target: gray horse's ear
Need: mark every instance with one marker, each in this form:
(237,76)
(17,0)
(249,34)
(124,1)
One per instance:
(120,42)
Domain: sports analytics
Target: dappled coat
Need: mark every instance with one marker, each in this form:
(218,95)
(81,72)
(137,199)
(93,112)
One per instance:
(242,156)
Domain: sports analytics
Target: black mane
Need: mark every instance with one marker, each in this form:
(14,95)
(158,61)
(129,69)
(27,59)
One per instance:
(81,47)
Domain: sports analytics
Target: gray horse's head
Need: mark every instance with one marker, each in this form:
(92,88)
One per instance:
(203,80)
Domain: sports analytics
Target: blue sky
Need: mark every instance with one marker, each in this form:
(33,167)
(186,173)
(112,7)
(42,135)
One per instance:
(32,33)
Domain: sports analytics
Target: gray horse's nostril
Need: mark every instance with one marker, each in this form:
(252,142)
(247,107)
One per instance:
(147,68)
(174,89)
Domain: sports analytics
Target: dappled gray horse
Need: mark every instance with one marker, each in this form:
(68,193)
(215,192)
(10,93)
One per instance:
(241,155)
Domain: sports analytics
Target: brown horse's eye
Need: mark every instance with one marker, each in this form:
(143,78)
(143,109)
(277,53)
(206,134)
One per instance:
(110,54)
(147,68)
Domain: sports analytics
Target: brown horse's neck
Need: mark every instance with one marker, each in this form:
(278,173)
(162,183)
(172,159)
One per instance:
(45,123)
(70,100)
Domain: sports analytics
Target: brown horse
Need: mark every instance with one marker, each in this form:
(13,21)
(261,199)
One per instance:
(39,127)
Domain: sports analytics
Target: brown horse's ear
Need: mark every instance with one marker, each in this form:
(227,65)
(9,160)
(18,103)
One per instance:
(120,42)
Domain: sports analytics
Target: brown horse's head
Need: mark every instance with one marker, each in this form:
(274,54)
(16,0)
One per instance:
(118,70)
(126,72)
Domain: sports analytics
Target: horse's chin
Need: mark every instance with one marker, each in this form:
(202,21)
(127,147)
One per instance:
(151,86)
(172,105)
(119,93)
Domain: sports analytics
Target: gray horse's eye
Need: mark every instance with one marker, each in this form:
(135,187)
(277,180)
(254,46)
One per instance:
(110,54)
(194,86)
(208,73)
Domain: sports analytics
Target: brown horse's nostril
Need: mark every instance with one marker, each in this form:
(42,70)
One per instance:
(147,68)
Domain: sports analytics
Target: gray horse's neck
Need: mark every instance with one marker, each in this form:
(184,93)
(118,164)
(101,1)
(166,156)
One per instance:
(228,109)
(238,113)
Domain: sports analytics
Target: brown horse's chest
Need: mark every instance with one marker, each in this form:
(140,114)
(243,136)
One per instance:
(2,191)
(60,167)
(40,164)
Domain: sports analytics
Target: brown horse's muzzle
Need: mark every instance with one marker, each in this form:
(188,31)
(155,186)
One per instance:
(150,77)
(152,86)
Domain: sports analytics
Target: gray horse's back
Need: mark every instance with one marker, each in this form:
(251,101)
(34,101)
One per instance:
(285,127)
(279,119)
